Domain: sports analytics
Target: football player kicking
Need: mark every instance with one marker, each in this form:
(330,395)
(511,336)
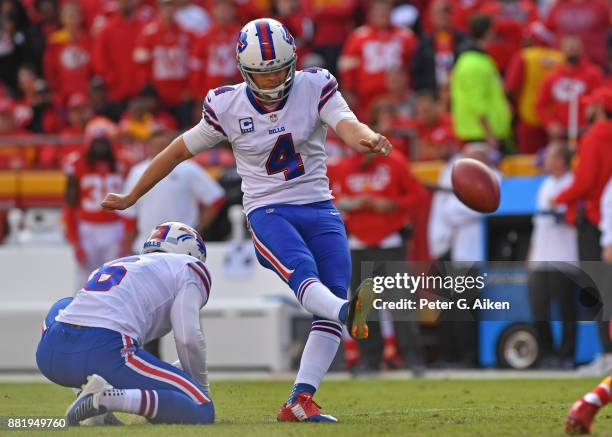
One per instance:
(276,122)
(583,411)
(95,338)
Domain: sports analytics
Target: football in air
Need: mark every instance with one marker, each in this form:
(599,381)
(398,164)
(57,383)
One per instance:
(475,185)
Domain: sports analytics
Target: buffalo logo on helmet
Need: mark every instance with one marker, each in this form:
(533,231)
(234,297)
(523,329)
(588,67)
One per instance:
(287,35)
(242,43)
(176,237)
(189,235)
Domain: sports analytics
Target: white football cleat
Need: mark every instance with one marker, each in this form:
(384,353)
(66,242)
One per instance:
(87,404)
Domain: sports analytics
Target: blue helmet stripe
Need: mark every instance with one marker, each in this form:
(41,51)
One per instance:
(266,43)
(271,40)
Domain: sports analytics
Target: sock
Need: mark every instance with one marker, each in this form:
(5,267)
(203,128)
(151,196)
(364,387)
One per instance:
(127,401)
(318,354)
(600,395)
(317,299)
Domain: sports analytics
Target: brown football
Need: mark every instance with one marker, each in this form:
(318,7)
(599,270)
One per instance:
(475,185)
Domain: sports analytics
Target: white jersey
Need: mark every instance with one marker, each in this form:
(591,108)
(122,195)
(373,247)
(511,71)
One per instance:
(552,239)
(135,295)
(280,153)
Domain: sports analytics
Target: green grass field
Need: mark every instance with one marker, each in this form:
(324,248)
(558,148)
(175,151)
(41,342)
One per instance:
(365,407)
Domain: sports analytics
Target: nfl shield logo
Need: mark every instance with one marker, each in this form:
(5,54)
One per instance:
(273,118)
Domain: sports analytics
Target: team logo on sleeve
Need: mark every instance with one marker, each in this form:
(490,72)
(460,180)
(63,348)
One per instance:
(246,125)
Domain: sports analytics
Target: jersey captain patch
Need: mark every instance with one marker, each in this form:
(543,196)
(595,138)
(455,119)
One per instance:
(246,125)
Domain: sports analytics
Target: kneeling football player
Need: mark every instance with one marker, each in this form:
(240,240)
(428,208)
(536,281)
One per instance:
(94,339)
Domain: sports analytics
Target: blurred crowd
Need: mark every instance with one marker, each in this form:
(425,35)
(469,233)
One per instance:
(429,74)
(97,87)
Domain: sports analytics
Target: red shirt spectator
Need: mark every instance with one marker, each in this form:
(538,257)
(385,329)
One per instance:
(589,19)
(594,164)
(430,131)
(213,59)
(433,138)
(94,179)
(162,52)
(67,60)
(79,113)
(113,54)
(370,52)
(564,84)
(90,176)
(334,21)
(377,194)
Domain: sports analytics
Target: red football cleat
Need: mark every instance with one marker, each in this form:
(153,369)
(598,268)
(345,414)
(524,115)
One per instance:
(580,417)
(304,409)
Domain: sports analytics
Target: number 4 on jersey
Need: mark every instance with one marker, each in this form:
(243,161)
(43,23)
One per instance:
(284,158)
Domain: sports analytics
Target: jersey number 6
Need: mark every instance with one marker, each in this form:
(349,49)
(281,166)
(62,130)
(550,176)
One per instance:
(284,158)
(109,275)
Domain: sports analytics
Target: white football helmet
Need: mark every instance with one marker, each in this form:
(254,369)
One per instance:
(176,237)
(265,45)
